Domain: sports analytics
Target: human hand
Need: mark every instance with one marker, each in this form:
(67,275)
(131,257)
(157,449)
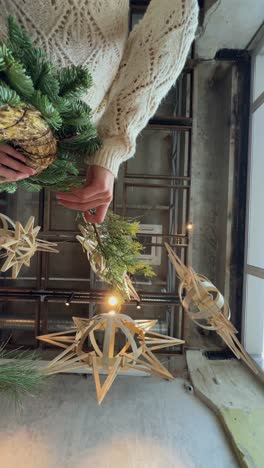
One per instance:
(96,193)
(13,165)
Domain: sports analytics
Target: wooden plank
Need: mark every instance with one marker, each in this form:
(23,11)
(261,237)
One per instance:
(247,432)
(237,397)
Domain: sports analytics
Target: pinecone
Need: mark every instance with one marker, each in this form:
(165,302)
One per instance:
(25,129)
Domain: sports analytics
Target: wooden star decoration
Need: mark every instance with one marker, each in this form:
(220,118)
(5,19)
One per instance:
(135,351)
(98,263)
(20,244)
(207,307)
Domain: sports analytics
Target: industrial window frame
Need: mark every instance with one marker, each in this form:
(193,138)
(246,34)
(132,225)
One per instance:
(42,294)
(253,342)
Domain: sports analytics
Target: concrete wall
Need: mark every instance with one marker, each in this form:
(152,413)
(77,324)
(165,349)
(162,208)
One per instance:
(213,177)
(228,24)
(211,138)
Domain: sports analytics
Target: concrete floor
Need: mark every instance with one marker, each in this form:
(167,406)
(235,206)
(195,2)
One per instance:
(143,423)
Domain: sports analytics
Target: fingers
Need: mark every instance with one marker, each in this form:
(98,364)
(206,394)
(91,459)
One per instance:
(69,197)
(84,206)
(101,206)
(10,175)
(12,168)
(99,216)
(89,192)
(11,163)
(12,152)
(85,196)
(97,193)
(82,195)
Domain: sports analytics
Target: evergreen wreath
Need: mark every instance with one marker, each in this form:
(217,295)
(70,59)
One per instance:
(42,114)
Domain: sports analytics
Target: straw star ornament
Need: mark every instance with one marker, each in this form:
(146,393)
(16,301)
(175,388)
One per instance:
(99,264)
(113,252)
(207,307)
(20,244)
(83,349)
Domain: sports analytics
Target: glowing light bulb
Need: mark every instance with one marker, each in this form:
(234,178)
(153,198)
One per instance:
(70,298)
(111,312)
(189,226)
(112,301)
(138,306)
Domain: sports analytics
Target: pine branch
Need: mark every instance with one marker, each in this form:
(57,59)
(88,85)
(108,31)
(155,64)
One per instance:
(83,143)
(46,108)
(20,376)
(61,175)
(8,187)
(47,82)
(17,78)
(35,61)
(29,186)
(5,54)
(76,117)
(97,235)
(74,81)
(15,73)
(18,40)
(8,96)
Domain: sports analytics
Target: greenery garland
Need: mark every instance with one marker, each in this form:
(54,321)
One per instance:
(33,92)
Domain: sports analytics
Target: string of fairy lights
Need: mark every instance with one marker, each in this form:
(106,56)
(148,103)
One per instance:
(113,301)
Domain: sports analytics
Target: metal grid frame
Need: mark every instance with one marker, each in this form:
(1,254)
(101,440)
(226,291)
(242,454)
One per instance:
(42,293)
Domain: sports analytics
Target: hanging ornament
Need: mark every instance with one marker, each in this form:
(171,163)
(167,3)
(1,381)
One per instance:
(206,307)
(135,352)
(113,252)
(20,244)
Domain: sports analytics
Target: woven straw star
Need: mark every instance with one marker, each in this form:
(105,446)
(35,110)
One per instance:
(207,307)
(110,355)
(20,244)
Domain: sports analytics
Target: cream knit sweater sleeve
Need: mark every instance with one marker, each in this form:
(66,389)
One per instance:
(155,54)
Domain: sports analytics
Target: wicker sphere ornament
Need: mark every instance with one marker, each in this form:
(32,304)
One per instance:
(29,134)
(82,348)
(206,307)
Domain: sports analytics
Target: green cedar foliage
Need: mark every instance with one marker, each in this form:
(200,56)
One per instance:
(116,241)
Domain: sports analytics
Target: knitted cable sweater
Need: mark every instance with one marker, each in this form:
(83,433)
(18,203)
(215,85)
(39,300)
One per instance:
(131,74)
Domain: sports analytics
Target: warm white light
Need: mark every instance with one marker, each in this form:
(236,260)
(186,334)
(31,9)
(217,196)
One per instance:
(69,299)
(189,226)
(111,312)
(138,306)
(112,301)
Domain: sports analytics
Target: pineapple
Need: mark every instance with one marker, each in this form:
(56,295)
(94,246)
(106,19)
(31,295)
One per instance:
(42,114)
(29,133)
